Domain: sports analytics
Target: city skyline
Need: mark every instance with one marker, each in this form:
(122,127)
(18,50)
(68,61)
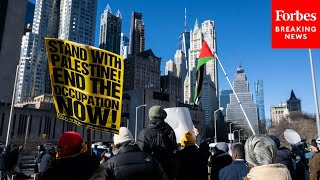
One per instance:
(243,35)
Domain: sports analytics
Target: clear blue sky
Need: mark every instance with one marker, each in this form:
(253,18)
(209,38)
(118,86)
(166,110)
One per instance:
(243,36)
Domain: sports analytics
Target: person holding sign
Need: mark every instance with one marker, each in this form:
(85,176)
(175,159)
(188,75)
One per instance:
(159,139)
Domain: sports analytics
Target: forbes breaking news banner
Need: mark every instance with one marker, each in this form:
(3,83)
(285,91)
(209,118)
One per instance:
(295,23)
(86,83)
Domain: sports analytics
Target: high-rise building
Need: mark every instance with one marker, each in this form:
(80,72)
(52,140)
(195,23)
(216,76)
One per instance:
(171,85)
(110,30)
(78,21)
(29,17)
(293,103)
(224,99)
(234,112)
(180,62)
(124,46)
(33,77)
(278,113)
(137,38)
(142,71)
(170,68)
(184,45)
(260,100)
(12,18)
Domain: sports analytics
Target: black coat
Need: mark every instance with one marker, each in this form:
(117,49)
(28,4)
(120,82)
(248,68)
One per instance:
(132,164)
(148,141)
(81,167)
(191,164)
(218,162)
(237,170)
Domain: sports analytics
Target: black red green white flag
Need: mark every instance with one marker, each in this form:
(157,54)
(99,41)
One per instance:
(205,56)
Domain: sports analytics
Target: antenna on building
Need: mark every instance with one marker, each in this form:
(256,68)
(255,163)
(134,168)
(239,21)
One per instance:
(185,19)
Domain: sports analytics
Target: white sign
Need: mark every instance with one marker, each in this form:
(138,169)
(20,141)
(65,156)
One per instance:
(179,119)
(230,136)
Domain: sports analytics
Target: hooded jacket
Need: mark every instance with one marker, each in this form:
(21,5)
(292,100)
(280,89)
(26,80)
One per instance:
(315,167)
(269,172)
(81,167)
(284,157)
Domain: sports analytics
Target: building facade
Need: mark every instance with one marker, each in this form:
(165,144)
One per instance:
(142,71)
(110,30)
(171,85)
(260,100)
(278,113)
(224,99)
(78,21)
(137,38)
(124,46)
(234,112)
(171,68)
(29,17)
(293,103)
(184,46)
(11,31)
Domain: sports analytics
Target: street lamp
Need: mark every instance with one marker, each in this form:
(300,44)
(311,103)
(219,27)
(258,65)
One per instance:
(233,135)
(230,133)
(239,134)
(136,127)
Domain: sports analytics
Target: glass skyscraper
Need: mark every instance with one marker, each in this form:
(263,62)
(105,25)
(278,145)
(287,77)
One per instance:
(137,38)
(184,45)
(260,100)
(234,112)
(224,99)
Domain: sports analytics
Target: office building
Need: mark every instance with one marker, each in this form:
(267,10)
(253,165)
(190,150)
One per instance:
(170,69)
(224,99)
(278,113)
(137,38)
(260,100)
(124,46)
(172,85)
(293,103)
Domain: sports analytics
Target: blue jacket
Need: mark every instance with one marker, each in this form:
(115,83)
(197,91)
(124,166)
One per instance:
(235,171)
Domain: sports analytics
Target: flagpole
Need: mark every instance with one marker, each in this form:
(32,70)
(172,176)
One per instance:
(315,93)
(235,94)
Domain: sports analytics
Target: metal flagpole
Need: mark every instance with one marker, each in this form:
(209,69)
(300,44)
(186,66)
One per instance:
(315,93)
(234,92)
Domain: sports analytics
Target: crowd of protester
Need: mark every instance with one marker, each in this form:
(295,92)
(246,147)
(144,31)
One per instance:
(156,155)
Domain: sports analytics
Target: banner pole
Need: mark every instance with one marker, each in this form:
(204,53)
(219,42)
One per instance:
(89,141)
(314,92)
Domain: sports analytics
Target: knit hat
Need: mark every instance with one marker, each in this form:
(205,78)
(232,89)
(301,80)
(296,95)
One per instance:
(123,136)
(156,112)
(222,146)
(70,144)
(260,150)
(276,140)
(187,139)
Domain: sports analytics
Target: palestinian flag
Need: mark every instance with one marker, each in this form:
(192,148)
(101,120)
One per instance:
(205,56)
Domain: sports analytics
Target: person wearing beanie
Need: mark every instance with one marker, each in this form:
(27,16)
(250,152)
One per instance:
(190,164)
(159,139)
(73,161)
(315,161)
(129,162)
(283,155)
(261,153)
(220,159)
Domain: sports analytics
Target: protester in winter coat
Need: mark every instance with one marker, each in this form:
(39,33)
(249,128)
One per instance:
(73,161)
(159,140)
(220,159)
(40,154)
(237,170)
(283,154)
(260,156)
(190,164)
(47,160)
(4,163)
(129,162)
(315,161)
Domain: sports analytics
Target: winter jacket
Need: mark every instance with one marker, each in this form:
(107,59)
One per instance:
(163,149)
(218,162)
(46,161)
(269,172)
(237,170)
(4,158)
(132,164)
(190,164)
(81,167)
(284,157)
(315,167)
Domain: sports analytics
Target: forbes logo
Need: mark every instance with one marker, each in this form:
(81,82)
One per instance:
(281,15)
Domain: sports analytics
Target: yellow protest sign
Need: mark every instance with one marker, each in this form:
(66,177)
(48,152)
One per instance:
(86,83)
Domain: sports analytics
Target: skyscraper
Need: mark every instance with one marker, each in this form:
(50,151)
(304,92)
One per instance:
(234,112)
(293,103)
(260,100)
(171,68)
(29,17)
(184,45)
(33,78)
(224,99)
(137,38)
(12,18)
(78,21)
(124,46)
(180,61)
(110,30)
